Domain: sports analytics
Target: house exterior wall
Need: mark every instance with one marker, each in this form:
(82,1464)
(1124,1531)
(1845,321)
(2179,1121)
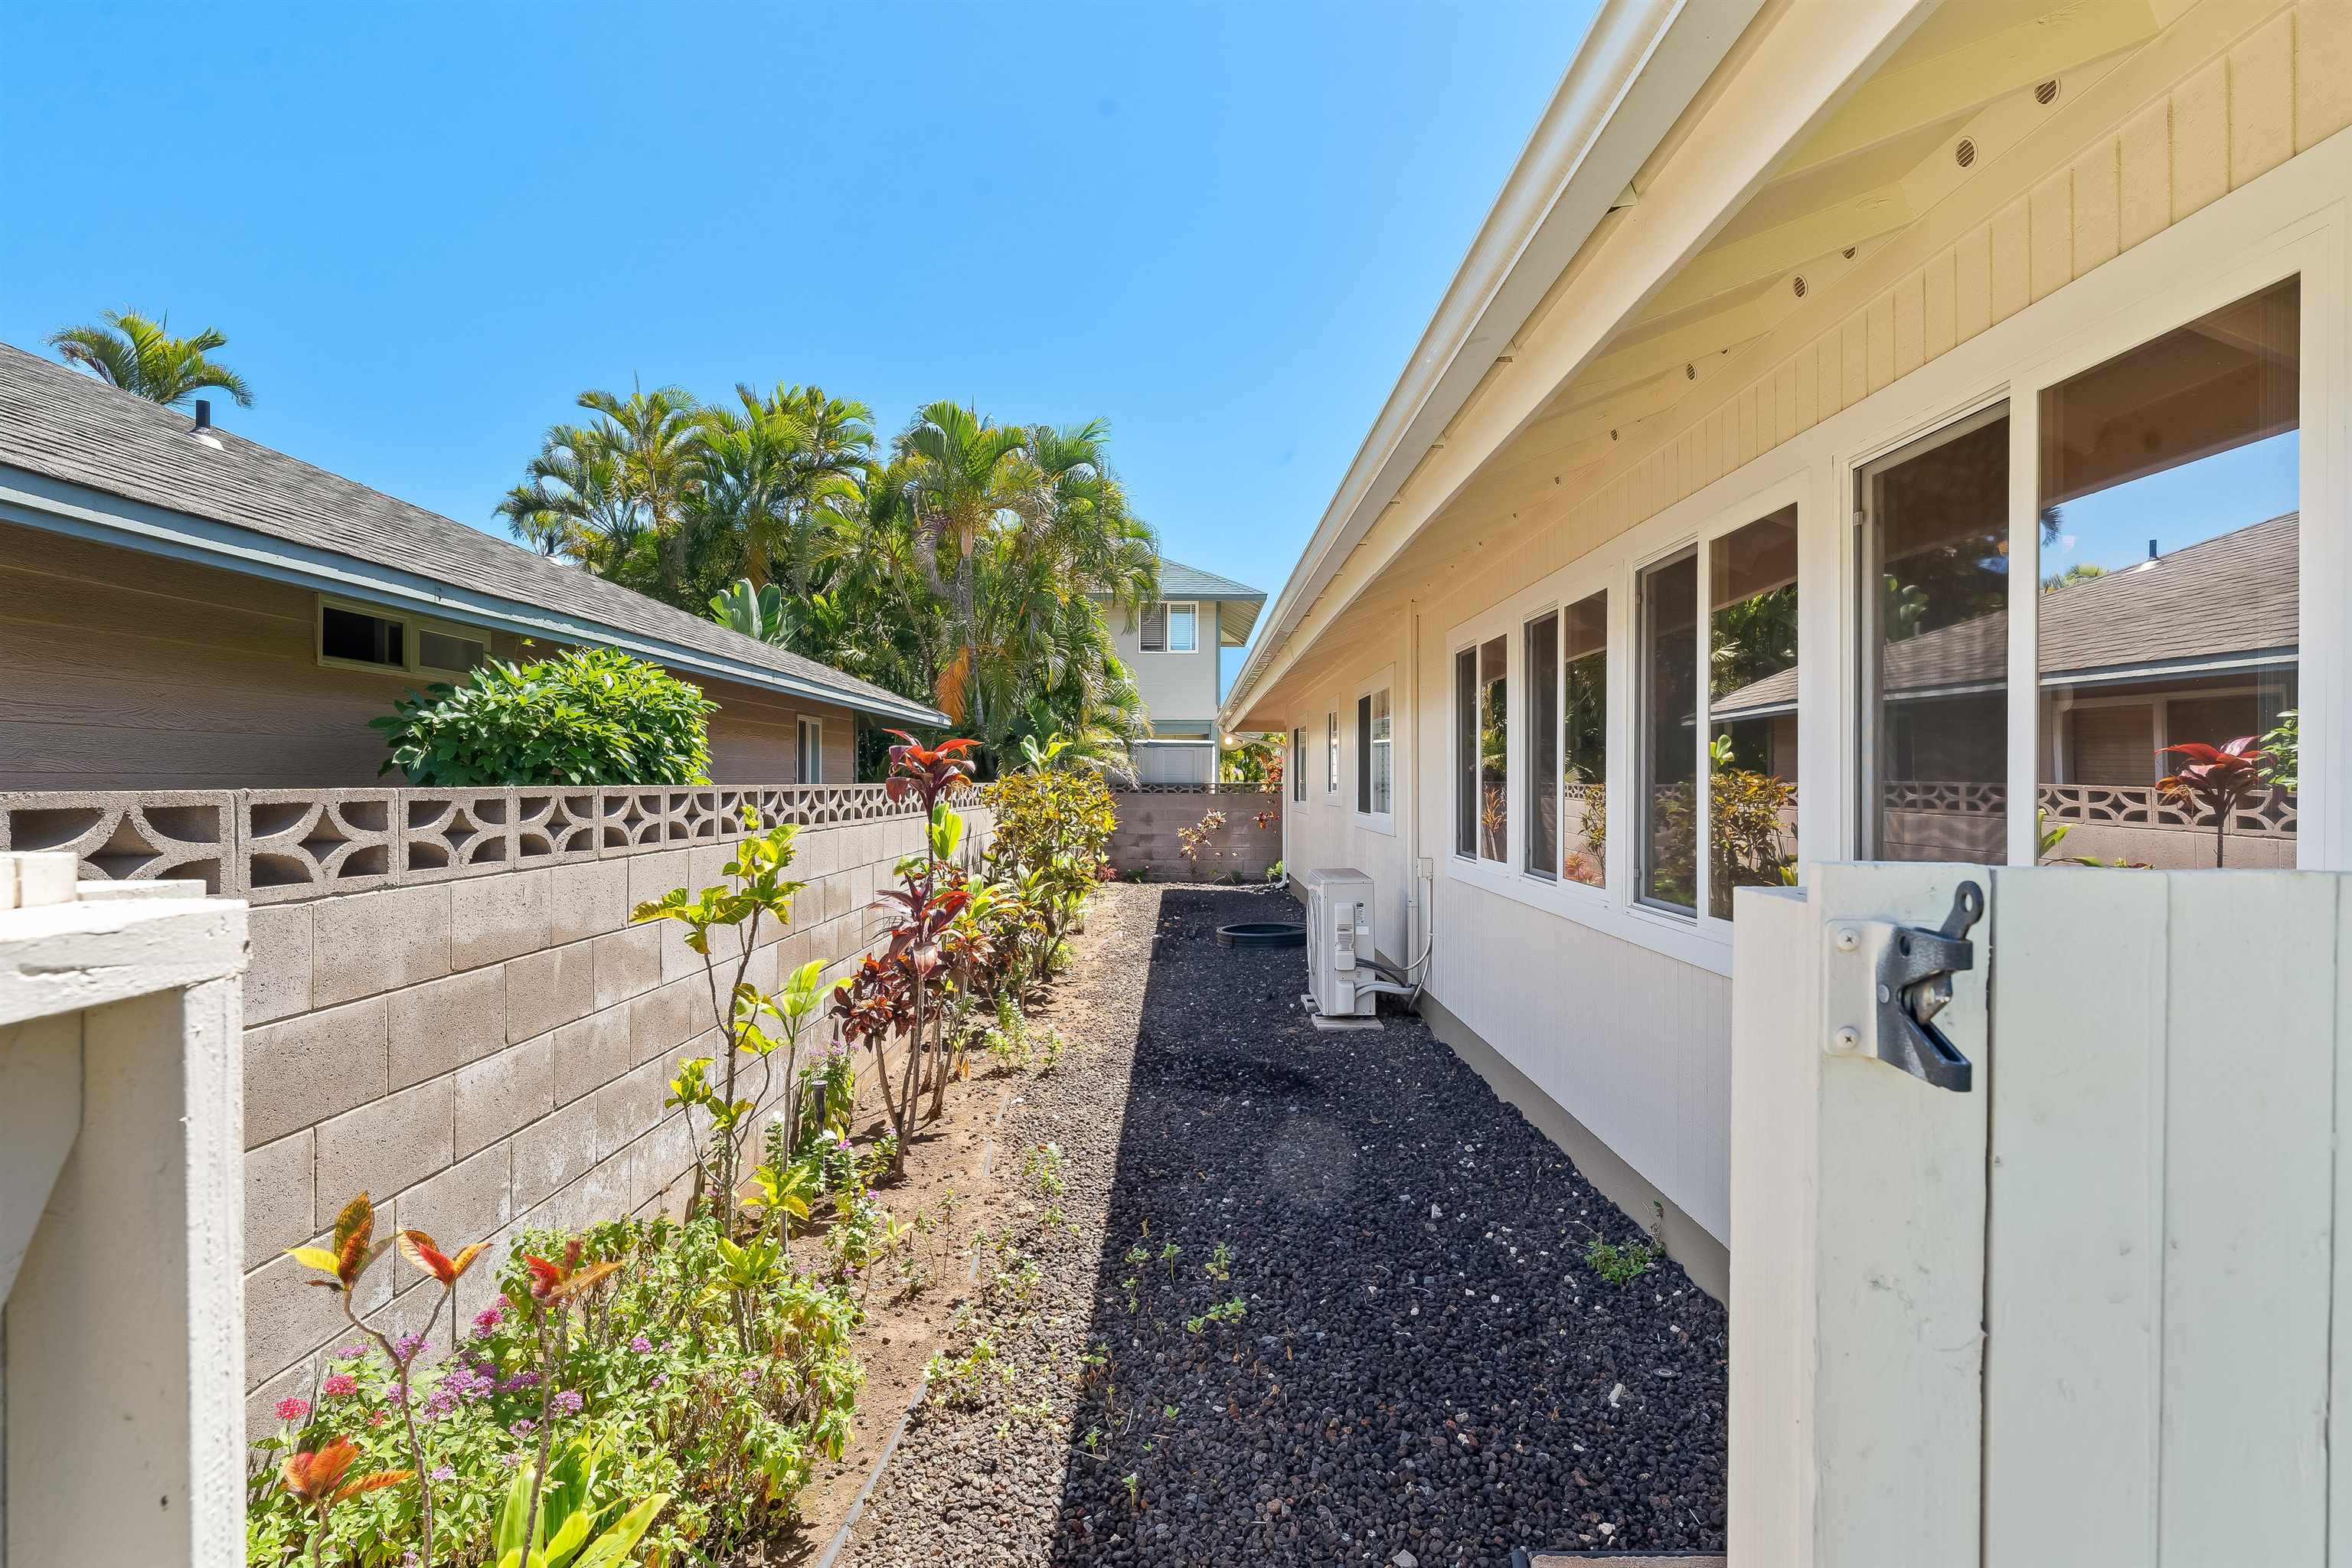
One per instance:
(1624,1016)
(119,669)
(482,1046)
(1178,688)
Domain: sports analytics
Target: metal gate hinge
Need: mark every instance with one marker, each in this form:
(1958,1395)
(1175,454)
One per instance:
(1899,977)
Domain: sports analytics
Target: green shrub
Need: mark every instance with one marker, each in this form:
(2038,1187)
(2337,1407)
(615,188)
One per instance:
(1045,817)
(589,716)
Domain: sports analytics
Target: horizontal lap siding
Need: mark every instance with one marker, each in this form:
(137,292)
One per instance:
(124,670)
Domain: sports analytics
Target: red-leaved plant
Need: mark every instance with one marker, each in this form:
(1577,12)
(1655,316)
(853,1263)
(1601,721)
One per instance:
(904,990)
(551,1289)
(353,1249)
(2218,778)
(317,1478)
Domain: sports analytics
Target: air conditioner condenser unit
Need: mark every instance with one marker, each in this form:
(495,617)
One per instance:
(1342,941)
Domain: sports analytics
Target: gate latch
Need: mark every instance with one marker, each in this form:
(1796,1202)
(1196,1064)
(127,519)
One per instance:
(1910,970)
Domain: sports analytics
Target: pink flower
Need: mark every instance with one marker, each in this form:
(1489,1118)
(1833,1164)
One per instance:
(642,1345)
(524,1428)
(293,1409)
(569,1400)
(405,1348)
(350,1353)
(342,1382)
(488,1318)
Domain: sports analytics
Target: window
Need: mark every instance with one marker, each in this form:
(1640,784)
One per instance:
(1375,749)
(1752,752)
(1490,738)
(1584,743)
(2168,616)
(1466,753)
(1541,676)
(1932,550)
(1168,625)
(1331,753)
(1668,827)
(358,635)
(1298,764)
(808,759)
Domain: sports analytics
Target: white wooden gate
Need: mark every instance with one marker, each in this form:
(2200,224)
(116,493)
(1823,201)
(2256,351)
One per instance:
(2088,1312)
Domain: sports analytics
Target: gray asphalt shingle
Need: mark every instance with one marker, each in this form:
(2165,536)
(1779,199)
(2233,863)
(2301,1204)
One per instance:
(66,425)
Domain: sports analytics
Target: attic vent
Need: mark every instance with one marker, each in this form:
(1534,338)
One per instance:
(1797,285)
(2046,92)
(1849,253)
(1690,373)
(1965,153)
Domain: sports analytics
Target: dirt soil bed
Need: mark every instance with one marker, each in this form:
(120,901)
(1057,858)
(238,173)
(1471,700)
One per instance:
(1398,1356)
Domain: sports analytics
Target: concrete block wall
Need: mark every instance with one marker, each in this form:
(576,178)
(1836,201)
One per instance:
(490,1054)
(1146,840)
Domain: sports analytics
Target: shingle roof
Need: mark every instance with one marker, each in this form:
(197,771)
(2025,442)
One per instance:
(66,426)
(2233,595)
(1243,603)
(1177,581)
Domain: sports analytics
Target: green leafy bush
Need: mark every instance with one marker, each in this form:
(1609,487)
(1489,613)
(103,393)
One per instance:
(1045,817)
(588,716)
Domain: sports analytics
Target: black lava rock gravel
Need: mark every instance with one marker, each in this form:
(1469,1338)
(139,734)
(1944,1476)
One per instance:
(1422,1369)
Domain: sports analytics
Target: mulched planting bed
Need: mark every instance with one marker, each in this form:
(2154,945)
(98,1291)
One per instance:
(1421,1369)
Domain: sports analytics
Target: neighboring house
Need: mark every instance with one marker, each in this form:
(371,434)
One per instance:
(1785,345)
(1173,648)
(185,609)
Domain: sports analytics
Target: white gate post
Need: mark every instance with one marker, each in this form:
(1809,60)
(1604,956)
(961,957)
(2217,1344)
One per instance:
(1857,1245)
(122,1231)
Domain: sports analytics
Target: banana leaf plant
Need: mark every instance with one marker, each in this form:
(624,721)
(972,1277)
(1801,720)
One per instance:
(2217,778)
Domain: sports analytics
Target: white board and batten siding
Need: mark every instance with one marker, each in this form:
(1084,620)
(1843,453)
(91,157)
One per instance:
(2098,1310)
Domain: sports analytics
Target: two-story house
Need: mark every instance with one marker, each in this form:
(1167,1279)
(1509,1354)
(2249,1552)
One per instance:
(1173,648)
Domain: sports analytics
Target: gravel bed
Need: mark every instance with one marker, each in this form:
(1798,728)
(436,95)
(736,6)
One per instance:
(1422,1371)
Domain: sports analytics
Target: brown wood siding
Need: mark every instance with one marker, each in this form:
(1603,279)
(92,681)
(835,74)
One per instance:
(119,669)
(2114,746)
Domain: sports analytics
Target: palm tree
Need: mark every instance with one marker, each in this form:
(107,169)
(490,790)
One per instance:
(574,502)
(825,462)
(964,476)
(653,440)
(139,354)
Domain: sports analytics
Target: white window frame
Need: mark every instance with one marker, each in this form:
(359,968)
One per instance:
(412,638)
(1331,756)
(1298,764)
(1382,822)
(2292,221)
(808,736)
(1168,608)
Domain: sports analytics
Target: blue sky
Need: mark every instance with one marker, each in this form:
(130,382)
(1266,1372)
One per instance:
(426,228)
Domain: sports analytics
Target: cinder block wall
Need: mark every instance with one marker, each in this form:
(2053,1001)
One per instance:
(1146,837)
(490,1054)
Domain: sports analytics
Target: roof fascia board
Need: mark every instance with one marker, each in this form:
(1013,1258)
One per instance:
(1796,78)
(57,506)
(1639,67)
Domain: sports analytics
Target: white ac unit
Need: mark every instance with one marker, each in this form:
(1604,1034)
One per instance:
(1340,942)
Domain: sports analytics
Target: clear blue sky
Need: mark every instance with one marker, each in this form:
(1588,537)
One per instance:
(426,228)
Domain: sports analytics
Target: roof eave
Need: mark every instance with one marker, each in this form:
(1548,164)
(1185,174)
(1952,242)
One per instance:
(60,506)
(1594,135)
